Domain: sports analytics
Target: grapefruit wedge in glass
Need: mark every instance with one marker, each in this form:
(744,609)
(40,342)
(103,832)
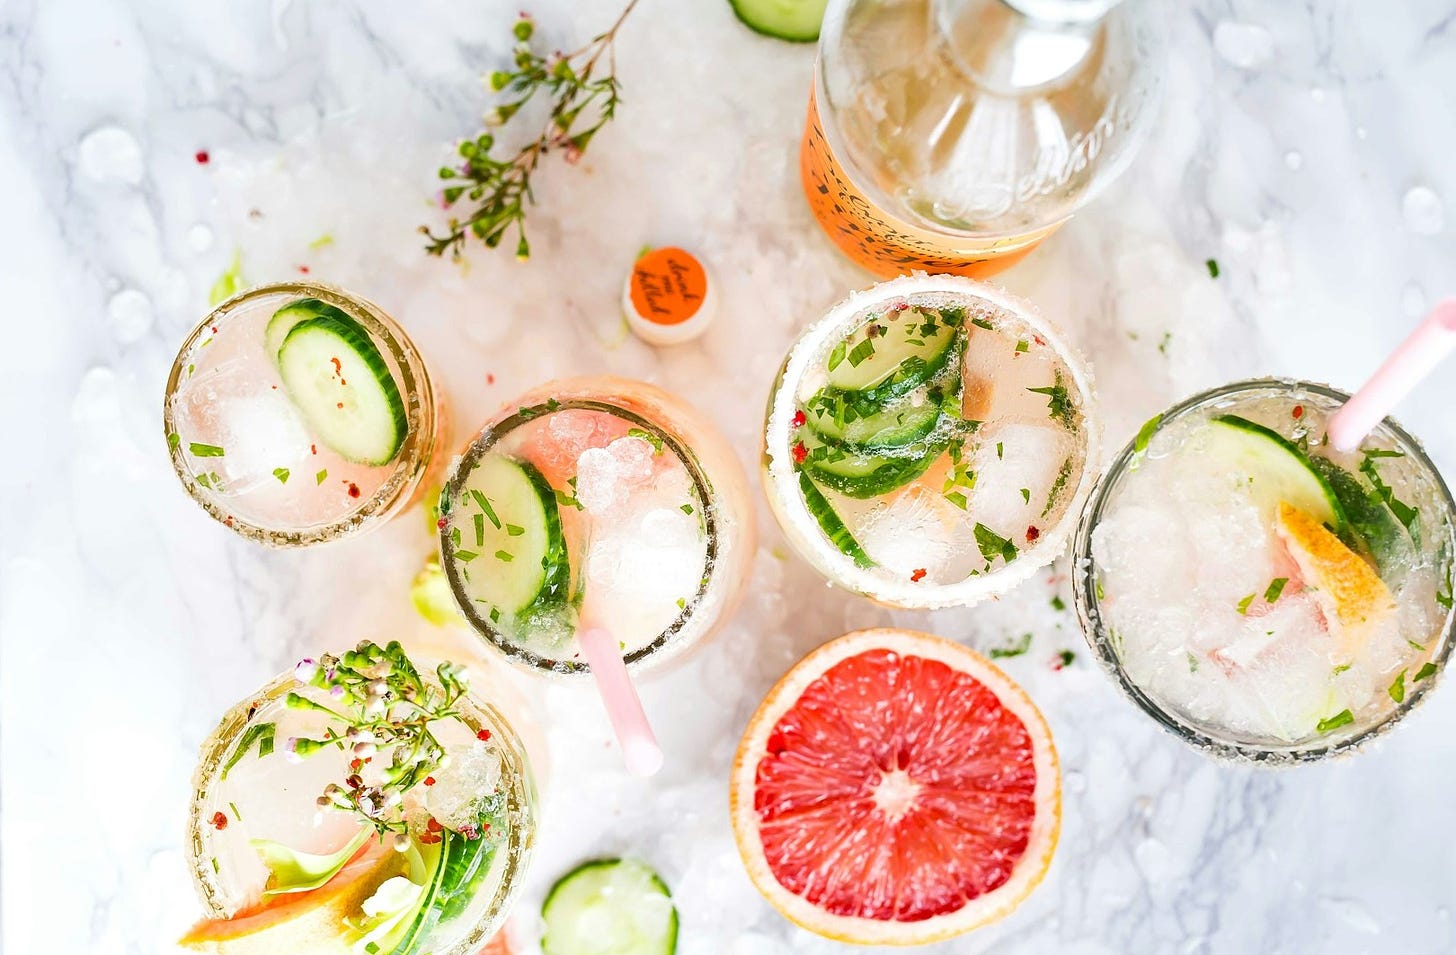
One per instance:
(895,788)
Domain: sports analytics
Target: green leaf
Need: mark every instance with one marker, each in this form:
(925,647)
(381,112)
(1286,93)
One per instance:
(1212,265)
(205,450)
(861,353)
(1342,718)
(653,439)
(1397,689)
(321,476)
(993,545)
(1067,657)
(1244,604)
(1058,603)
(1059,402)
(173,439)
(1276,587)
(484,503)
(1143,439)
(281,474)
(836,356)
(1026,495)
(1014,649)
(259,735)
(1427,669)
(292,871)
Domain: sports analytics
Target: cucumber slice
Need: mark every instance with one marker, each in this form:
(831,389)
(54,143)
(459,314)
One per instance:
(609,907)
(1371,529)
(1279,470)
(290,315)
(794,20)
(865,474)
(838,416)
(342,386)
(510,532)
(908,349)
(458,869)
(831,523)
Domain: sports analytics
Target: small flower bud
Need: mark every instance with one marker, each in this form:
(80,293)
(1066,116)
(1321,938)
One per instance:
(401,842)
(365,750)
(305,670)
(523,29)
(499,79)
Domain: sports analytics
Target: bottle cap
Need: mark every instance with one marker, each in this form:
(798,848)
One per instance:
(668,297)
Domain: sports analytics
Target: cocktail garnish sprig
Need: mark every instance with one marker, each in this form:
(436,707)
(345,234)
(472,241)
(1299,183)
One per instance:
(381,705)
(582,102)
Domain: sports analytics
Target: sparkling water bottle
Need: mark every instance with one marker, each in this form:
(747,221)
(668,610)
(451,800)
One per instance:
(954,135)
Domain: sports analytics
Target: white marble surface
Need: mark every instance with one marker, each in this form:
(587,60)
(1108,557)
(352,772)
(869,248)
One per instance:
(1288,147)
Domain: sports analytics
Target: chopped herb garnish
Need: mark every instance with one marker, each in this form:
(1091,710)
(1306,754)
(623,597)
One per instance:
(1426,670)
(505,556)
(686,508)
(324,240)
(205,450)
(1023,346)
(259,735)
(1341,668)
(173,439)
(567,500)
(681,604)
(1244,604)
(1397,689)
(653,439)
(1143,439)
(236,815)
(1443,597)
(836,356)
(1067,657)
(1192,663)
(1097,589)
(1064,474)
(958,499)
(1026,494)
(495,615)
(479,529)
(1163,345)
(320,477)
(281,474)
(216,869)
(1212,265)
(993,545)
(1000,450)
(1276,587)
(1342,718)
(982,323)
(1403,512)
(1059,402)
(861,353)
(1058,603)
(1014,649)
(465,556)
(515,530)
(483,503)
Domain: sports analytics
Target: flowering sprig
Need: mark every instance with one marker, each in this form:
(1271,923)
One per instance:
(581,104)
(379,704)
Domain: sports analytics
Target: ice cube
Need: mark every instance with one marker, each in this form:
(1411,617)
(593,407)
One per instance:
(1016,464)
(463,787)
(918,529)
(997,377)
(639,568)
(259,433)
(569,433)
(605,477)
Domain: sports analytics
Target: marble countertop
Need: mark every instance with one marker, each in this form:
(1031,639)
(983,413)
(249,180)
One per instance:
(1305,147)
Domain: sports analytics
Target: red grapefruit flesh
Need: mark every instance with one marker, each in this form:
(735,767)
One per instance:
(895,788)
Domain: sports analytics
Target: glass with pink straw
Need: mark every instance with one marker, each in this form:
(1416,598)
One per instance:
(597,526)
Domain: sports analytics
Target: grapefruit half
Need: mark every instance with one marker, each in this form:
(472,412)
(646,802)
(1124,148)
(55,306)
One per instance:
(895,788)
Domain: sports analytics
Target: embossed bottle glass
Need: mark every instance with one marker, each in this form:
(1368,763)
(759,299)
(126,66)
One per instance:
(954,135)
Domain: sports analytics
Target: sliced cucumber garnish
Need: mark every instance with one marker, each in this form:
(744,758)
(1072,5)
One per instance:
(794,20)
(609,907)
(1278,471)
(290,315)
(343,388)
(841,416)
(1370,529)
(864,474)
(458,867)
(831,523)
(893,354)
(510,536)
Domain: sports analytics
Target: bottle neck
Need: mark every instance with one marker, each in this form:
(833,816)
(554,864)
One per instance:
(1016,45)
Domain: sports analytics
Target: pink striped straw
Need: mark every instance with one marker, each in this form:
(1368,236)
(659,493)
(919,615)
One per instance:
(1411,361)
(624,708)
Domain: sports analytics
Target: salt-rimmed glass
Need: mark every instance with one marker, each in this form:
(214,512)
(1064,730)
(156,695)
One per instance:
(1417,476)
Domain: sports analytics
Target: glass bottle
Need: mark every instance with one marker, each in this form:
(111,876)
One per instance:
(954,135)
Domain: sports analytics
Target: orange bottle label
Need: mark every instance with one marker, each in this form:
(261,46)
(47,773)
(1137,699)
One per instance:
(885,245)
(668,286)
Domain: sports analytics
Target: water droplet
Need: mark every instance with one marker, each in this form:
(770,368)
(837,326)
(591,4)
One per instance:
(199,237)
(1413,300)
(1294,160)
(110,154)
(130,315)
(1425,214)
(1243,44)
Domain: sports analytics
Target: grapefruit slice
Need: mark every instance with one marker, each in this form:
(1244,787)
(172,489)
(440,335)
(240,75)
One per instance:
(895,788)
(1348,590)
(304,922)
